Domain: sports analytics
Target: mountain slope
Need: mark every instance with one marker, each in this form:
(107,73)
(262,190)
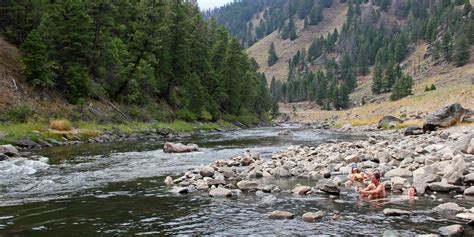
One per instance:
(334,18)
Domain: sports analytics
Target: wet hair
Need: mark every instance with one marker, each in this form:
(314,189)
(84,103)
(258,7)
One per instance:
(377,175)
(416,192)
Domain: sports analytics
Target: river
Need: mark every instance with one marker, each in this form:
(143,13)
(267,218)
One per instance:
(117,189)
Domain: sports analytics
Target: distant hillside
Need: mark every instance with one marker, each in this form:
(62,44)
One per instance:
(326,49)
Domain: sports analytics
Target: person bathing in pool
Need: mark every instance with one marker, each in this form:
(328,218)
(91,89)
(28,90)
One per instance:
(355,176)
(375,190)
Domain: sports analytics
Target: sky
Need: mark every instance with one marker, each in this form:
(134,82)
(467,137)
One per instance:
(206,4)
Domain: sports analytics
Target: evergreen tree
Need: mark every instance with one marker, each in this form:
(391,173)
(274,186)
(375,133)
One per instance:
(272,56)
(462,51)
(402,88)
(35,59)
(378,81)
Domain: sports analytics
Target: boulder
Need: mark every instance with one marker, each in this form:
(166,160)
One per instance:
(215,182)
(400,172)
(462,143)
(301,190)
(449,206)
(246,185)
(451,230)
(398,183)
(469,191)
(470,149)
(469,178)
(330,187)
(280,172)
(389,122)
(9,150)
(413,130)
(354,158)
(445,117)
(269,200)
(179,148)
(395,212)
(445,187)
(467,216)
(206,171)
(426,178)
(220,192)
(281,215)
(27,144)
(313,216)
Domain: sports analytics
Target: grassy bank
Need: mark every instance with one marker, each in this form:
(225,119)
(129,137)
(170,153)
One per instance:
(12,132)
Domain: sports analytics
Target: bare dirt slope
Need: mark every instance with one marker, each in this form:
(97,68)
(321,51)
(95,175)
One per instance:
(334,17)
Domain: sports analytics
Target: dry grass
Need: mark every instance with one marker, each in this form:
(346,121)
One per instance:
(60,125)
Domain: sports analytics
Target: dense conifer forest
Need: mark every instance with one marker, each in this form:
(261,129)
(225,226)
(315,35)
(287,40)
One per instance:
(143,53)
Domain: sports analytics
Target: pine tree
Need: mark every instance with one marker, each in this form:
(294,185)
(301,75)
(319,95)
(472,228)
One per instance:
(35,59)
(378,81)
(462,51)
(272,56)
(402,88)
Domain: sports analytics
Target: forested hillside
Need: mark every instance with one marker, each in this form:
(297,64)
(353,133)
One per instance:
(155,55)
(373,41)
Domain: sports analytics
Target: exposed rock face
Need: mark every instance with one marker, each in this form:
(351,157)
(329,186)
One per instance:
(445,117)
(389,122)
(281,215)
(451,230)
(179,148)
(313,216)
(395,212)
(9,150)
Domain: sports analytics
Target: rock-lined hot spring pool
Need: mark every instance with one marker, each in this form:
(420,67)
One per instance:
(117,189)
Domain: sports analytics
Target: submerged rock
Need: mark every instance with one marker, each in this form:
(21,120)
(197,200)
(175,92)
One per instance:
(179,148)
(330,187)
(168,180)
(286,132)
(281,215)
(180,190)
(313,216)
(27,144)
(301,190)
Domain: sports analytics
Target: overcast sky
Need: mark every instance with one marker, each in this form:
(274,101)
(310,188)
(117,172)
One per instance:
(206,4)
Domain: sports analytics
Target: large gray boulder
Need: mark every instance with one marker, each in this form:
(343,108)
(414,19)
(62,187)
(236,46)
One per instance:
(469,191)
(445,117)
(400,172)
(9,150)
(179,148)
(389,122)
(463,142)
(330,187)
(445,187)
(301,190)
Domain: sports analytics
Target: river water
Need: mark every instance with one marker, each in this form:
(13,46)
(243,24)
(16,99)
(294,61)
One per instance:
(117,189)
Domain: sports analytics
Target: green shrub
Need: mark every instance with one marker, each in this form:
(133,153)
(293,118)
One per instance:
(205,116)
(186,115)
(18,114)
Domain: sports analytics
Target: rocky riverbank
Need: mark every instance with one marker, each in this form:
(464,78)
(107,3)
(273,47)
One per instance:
(434,162)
